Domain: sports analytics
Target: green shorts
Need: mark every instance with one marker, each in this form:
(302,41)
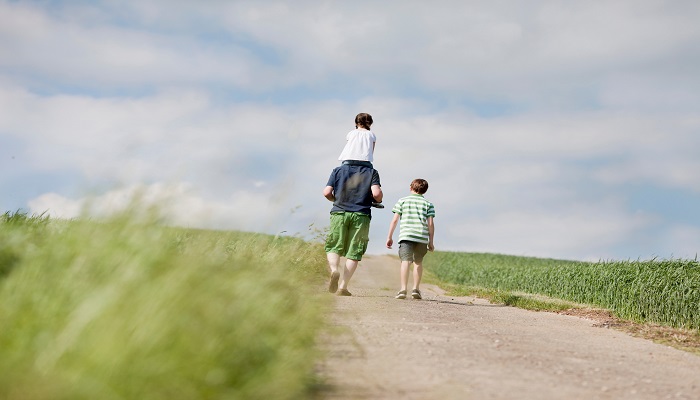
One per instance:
(348,235)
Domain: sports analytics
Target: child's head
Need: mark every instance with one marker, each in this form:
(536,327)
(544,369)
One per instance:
(419,186)
(363,120)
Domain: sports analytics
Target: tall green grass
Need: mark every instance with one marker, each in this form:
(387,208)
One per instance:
(132,310)
(666,292)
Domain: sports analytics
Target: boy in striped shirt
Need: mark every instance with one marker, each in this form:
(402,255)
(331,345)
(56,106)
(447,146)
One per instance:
(415,236)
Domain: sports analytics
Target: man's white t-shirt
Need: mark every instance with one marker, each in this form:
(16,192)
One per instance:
(360,146)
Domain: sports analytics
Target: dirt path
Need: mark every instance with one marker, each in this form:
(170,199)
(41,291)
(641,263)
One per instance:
(465,348)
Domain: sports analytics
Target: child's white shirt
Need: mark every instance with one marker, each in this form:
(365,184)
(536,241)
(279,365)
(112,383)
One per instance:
(359,146)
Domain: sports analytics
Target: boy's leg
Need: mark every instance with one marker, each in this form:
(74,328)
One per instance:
(417,274)
(405,265)
(406,256)
(420,250)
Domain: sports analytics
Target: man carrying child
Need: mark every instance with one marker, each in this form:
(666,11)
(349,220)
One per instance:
(352,189)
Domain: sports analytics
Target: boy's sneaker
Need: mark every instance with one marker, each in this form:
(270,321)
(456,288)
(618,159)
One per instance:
(416,294)
(377,205)
(401,295)
(344,292)
(333,284)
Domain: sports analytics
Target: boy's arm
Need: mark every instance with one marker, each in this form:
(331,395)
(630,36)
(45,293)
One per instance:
(431,233)
(392,227)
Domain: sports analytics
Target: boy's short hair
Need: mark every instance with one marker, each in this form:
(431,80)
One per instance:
(363,120)
(419,186)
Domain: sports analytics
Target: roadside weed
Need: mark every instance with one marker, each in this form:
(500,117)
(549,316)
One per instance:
(666,292)
(125,309)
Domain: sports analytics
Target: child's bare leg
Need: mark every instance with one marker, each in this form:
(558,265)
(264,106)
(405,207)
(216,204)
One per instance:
(417,274)
(350,266)
(405,265)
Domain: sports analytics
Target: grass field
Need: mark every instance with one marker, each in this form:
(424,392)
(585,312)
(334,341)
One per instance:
(665,292)
(130,309)
(122,309)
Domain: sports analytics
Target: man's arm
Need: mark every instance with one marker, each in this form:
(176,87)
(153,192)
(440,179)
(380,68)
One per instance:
(328,193)
(392,227)
(376,187)
(431,233)
(377,193)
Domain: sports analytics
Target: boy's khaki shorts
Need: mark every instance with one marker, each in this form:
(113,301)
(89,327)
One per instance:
(348,235)
(412,251)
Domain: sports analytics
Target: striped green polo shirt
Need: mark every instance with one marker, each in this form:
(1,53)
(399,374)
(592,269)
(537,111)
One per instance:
(414,211)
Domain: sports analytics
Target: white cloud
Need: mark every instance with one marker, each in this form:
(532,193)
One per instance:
(243,105)
(664,171)
(556,234)
(519,171)
(543,51)
(82,53)
(170,135)
(178,204)
(681,241)
(56,206)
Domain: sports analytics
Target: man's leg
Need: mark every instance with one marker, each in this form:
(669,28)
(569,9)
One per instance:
(348,271)
(333,261)
(358,234)
(335,247)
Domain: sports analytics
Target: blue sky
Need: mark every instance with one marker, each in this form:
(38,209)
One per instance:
(547,128)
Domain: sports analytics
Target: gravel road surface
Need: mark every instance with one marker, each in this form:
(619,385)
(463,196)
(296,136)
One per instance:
(445,347)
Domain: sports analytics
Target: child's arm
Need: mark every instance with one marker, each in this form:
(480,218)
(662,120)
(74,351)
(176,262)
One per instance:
(431,233)
(392,227)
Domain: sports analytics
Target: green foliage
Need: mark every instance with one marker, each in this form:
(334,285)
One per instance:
(20,217)
(661,291)
(15,228)
(127,310)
